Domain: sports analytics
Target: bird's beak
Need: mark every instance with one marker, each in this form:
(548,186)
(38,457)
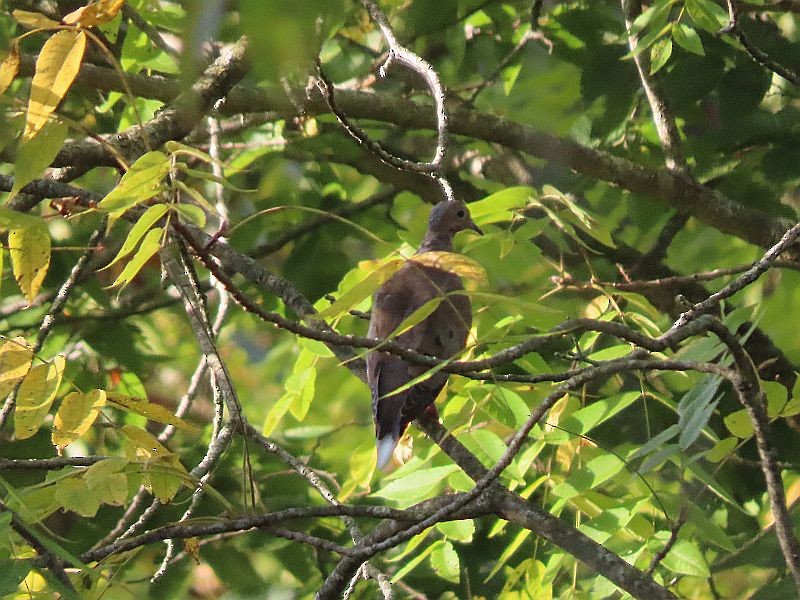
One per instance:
(474,227)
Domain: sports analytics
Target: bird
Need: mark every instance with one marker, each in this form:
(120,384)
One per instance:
(441,334)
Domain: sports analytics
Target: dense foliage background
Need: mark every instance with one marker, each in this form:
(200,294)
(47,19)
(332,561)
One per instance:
(184,188)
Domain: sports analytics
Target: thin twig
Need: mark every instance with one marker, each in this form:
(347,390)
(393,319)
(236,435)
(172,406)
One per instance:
(762,58)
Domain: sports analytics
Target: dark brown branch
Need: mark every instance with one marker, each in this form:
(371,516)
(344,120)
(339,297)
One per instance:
(707,205)
(173,122)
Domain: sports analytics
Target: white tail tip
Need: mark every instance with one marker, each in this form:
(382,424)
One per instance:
(386,446)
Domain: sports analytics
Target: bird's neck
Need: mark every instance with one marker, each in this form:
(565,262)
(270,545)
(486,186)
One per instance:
(433,242)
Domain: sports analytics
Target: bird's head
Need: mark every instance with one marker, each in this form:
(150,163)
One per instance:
(450,217)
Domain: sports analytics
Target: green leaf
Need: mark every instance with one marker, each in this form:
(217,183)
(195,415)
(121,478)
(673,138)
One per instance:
(150,245)
(696,408)
(107,482)
(688,39)
(489,448)
(34,155)
(499,206)
(707,14)
(657,441)
(414,562)
(140,183)
(12,572)
(444,560)
(508,552)
(191,213)
(73,495)
(739,424)
(655,15)
(142,225)
(721,449)
(686,558)
(460,531)
(415,486)
(583,421)
(595,472)
(416,317)
(659,54)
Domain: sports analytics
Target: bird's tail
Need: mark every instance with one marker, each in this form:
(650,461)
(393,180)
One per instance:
(386,446)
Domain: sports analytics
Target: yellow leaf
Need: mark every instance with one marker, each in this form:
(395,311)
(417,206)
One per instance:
(75,415)
(145,445)
(154,412)
(453,262)
(9,68)
(192,547)
(29,247)
(35,396)
(56,68)
(95,13)
(33,20)
(15,362)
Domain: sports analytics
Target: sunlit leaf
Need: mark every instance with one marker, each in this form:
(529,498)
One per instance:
(33,20)
(154,412)
(415,486)
(56,68)
(15,361)
(583,421)
(75,415)
(453,263)
(9,67)
(150,245)
(739,423)
(140,228)
(707,14)
(444,560)
(35,396)
(94,13)
(362,290)
(141,182)
(29,248)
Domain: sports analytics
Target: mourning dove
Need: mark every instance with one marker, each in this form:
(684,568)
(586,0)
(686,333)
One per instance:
(442,334)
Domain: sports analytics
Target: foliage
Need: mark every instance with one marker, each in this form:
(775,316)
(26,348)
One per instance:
(121,145)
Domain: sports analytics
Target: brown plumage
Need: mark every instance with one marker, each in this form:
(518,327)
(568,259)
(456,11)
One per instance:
(442,334)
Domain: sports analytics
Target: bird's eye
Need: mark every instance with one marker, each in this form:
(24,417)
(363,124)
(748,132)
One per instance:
(460,214)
